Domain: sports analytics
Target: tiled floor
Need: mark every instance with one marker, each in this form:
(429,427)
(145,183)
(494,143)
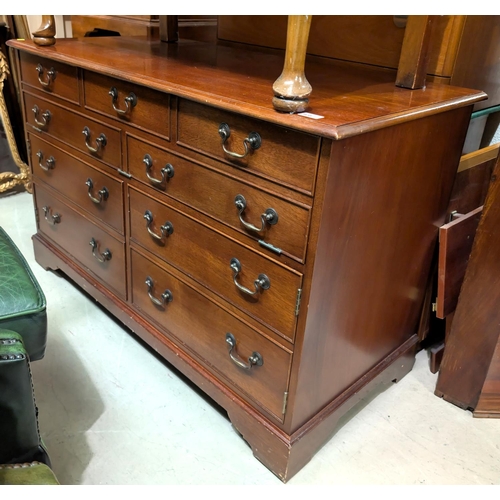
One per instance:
(112,412)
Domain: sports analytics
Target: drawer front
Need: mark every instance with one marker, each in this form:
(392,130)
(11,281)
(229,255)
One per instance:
(284,155)
(184,312)
(205,255)
(73,232)
(223,198)
(53,77)
(102,196)
(69,127)
(136,105)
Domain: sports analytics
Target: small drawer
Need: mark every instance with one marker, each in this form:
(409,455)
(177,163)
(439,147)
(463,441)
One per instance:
(98,251)
(94,191)
(272,152)
(183,311)
(206,255)
(139,106)
(270,219)
(89,136)
(53,77)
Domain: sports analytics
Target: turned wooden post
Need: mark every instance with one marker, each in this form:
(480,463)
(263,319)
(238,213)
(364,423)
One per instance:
(46,33)
(291,89)
(169,28)
(412,68)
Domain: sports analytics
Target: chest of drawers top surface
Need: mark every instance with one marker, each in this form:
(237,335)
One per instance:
(348,98)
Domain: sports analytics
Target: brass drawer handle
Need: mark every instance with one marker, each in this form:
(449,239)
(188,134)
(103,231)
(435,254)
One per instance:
(270,216)
(166,296)
(49,164)
(51,75)
(166,230)
(254,360)
(102,193)
(101,141)
(51,219)
(167,172)
(46,116)
(130,101)
(262,282)
(251,143)
(104,256)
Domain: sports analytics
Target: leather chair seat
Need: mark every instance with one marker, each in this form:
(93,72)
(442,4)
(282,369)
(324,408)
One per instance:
(22,301)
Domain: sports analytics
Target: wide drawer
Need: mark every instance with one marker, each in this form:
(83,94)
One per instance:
(183,312)
(87,135)
(206,256)
(99,252)
(134,104)
(268,218)
(53,77)
(93,190)
(285,156)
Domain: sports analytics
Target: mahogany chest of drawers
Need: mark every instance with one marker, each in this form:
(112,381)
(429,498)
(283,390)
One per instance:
(279,261)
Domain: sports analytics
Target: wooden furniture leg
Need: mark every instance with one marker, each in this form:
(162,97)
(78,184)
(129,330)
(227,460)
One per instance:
(169,28)
(45,35)
(291,89)
(412,68)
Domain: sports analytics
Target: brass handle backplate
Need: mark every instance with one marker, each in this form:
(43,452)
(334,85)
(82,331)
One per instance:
(49,164)
(52,219)
(101,257)
(51,75)
(102,193)
(167,172)
(261,283)
(254,360)
(270,216)
(250,143)
(165,297)
(46,116)
(166,230)
(101,141)
(130,101)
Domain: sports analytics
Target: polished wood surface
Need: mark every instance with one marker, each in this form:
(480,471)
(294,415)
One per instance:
(241,81)
(69,175)
(74,232)
(265,385)
(124,25)
(197,186)
(45,35)
(63,83)
(339,320)
(470,363)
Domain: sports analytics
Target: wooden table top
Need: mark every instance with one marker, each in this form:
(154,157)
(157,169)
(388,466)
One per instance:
(350,98)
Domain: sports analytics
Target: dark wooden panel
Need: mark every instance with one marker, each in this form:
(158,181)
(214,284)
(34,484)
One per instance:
(64,84)
(74,232)
(151,112)
(474,332)
(265,384)
(367,294)
(455,244)
(68,127)
(284,155)
(69,176)
(214,194)
(205,255)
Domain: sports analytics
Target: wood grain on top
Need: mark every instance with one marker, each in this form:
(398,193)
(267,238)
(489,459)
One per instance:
(351,98)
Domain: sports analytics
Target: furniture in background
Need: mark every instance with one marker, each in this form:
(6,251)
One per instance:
(178,194)
(23,332)
(469,376)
